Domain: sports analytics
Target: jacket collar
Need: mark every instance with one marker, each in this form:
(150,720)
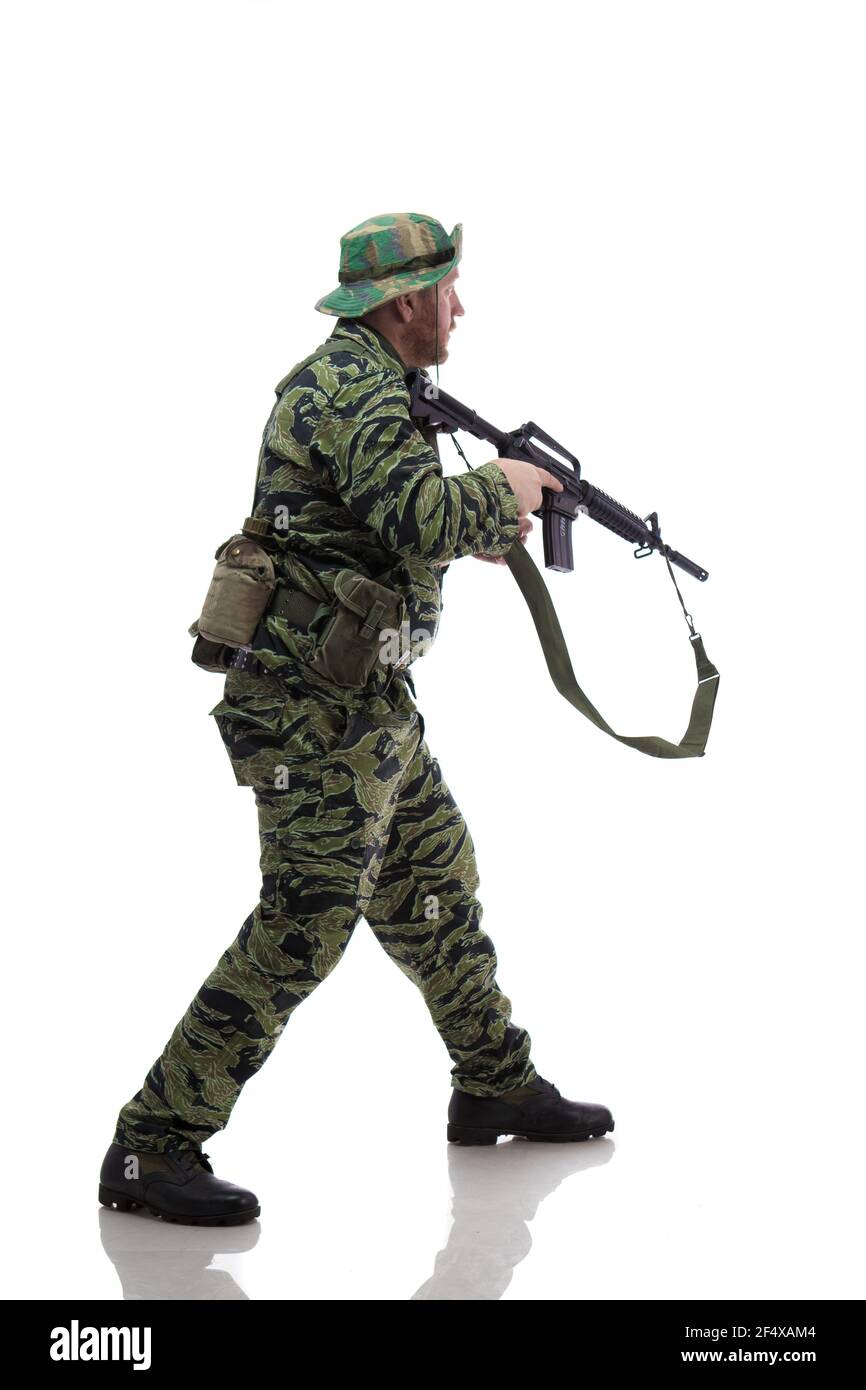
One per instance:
(378,345)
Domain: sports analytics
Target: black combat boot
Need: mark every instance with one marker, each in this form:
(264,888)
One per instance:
(536,1111)
(178,1185)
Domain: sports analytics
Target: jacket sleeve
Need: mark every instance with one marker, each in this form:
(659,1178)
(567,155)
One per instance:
(392,480)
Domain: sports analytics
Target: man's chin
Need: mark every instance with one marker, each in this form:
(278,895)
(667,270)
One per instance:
(443,356)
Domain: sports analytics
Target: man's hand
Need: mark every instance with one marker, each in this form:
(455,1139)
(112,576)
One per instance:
(526,482)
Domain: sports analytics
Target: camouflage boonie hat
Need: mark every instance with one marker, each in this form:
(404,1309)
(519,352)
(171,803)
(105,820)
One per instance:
(390,255)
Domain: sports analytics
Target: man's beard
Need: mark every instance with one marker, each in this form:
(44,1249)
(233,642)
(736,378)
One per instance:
(420,342)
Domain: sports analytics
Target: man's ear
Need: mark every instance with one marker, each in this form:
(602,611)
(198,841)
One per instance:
(405,306)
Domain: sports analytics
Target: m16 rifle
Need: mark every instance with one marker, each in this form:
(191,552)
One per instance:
(558,510)
(436,410)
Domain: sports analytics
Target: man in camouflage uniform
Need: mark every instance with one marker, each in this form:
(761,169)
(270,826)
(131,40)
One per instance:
(354,814)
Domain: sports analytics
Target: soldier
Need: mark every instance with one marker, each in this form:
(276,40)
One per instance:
(354,814)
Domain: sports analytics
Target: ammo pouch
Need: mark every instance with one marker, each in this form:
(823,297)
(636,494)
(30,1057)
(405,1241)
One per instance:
(241,588)
(351,642)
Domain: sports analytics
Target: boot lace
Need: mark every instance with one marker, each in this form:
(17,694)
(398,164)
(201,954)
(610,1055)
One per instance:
(193,1158)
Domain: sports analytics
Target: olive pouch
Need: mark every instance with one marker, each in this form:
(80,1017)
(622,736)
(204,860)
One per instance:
(351,642)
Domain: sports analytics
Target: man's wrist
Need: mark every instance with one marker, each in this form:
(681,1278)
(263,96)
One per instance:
(506,498)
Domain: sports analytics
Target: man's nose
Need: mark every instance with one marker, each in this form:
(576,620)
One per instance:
(457,307)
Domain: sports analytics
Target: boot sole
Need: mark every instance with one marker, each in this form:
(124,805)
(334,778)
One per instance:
(232,1218)
(465,1134)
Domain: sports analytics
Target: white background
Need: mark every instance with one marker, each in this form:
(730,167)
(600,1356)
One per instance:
(663,215)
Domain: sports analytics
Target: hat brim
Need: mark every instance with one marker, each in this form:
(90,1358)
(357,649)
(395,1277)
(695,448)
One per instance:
(352,301)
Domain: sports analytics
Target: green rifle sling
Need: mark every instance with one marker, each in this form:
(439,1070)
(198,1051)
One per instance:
(540,604)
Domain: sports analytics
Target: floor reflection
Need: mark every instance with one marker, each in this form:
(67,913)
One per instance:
(160,1260)
(496,1192)
(497,1189)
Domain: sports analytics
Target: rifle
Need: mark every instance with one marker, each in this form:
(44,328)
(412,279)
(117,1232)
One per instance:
(558,512)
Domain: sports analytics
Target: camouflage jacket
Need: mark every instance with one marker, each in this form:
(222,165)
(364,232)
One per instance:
(351,483)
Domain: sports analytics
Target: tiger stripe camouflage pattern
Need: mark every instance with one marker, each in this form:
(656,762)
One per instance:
(354,818)
(350,482)
(354,815)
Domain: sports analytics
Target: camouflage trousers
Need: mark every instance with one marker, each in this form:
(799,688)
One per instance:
(354,819)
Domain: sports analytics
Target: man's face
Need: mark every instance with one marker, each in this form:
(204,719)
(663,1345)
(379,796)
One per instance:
(420,336)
